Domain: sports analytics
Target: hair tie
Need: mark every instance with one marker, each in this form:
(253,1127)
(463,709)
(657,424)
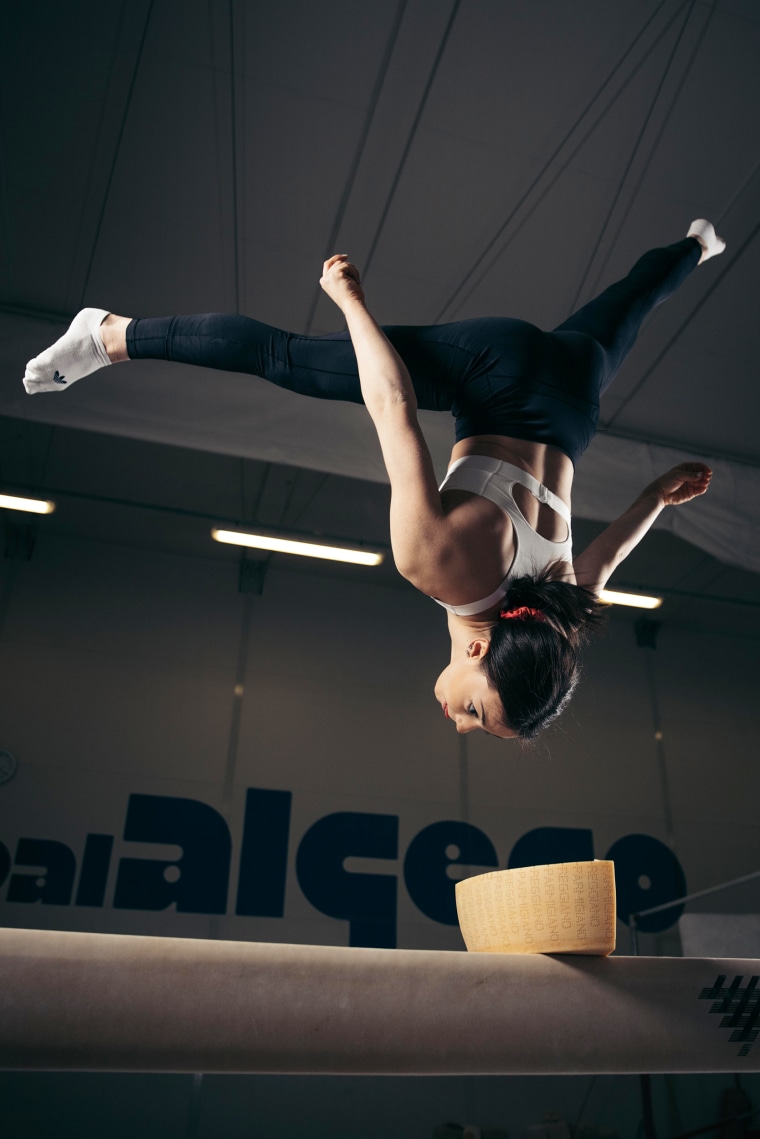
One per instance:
(522,613)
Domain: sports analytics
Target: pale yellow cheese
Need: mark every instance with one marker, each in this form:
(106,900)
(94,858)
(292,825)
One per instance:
(567,907)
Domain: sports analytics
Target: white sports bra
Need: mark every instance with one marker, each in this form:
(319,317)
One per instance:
(493,479)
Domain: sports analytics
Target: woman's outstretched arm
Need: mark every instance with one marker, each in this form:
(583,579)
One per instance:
(418,524)
(597,563)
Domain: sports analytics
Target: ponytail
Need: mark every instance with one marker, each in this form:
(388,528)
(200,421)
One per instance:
(533,658)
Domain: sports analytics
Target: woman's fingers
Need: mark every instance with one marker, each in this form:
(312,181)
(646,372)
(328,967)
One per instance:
(694,470)
(686,481)
(336,257)
(340,279)
(688,473)
(343,268)
(683,482)
(338,268)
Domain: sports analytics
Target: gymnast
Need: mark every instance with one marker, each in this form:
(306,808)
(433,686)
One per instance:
(526,405)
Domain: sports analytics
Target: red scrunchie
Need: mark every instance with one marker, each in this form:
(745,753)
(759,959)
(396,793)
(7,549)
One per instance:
(522,613)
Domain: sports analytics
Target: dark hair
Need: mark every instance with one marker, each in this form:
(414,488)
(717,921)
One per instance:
(533,663)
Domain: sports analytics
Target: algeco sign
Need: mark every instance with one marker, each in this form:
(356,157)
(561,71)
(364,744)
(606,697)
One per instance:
(647,873)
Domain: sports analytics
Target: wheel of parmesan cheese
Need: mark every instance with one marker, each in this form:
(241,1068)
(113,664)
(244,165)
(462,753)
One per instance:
(568,907)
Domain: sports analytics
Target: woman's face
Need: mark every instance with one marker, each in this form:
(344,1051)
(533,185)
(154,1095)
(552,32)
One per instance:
(467,698)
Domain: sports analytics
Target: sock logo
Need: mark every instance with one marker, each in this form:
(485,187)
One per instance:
(58,379)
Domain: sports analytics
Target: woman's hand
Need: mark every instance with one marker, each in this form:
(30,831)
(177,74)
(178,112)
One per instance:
(340,280)
(681,483)
(595,565)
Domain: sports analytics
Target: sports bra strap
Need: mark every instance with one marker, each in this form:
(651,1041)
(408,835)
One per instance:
(469,476)
(493,479)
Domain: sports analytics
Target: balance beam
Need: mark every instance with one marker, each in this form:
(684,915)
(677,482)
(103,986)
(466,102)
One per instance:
(103,1002)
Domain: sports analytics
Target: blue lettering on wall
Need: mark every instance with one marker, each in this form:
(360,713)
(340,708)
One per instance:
(5,862)
(264,854)
(428,858)
(53,887)
(647,873)
(546,845)
(366,901)
(204,865)
(93,876)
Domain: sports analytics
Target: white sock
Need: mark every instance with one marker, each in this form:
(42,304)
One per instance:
(77,353)
(711,244)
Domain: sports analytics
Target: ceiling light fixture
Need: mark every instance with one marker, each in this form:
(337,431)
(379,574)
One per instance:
(303,549)
(636,600)
(32,505)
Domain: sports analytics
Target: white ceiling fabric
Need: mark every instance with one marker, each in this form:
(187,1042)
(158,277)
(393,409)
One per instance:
(724,523)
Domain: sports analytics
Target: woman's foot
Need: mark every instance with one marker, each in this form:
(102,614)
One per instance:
(705,234)
(94,339)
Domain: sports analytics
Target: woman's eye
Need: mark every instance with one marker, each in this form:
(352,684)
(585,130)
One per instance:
(471,710)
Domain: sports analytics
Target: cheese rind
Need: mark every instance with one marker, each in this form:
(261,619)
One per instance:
(566,907)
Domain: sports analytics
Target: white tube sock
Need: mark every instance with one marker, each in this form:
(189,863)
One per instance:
(77,353)
(705,233)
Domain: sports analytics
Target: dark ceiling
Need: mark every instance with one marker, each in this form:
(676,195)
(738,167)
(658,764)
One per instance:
(474,157)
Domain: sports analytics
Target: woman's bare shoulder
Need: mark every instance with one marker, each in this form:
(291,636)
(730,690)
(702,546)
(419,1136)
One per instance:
(470,554)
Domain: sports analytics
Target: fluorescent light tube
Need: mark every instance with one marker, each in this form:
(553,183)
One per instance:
(290,546)
(32,505)
(636,600)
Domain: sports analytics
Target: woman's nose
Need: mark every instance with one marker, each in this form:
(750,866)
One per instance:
(463,727)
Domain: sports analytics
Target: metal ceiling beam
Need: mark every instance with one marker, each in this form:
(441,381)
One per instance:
(455,299)
(127,57)
(632,157)
(348,186)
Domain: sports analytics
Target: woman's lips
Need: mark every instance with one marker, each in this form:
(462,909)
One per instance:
(446,710)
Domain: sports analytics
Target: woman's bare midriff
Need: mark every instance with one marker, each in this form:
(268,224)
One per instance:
(548,464)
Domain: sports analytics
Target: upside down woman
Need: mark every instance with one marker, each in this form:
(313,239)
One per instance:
(492,544)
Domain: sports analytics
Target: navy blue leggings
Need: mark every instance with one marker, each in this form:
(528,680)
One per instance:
(497,376)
